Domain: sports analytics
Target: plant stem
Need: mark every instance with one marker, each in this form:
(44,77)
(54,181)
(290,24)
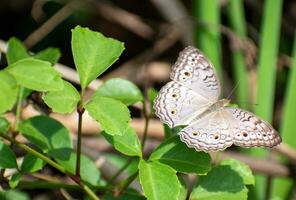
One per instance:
(146,116)
(86,189)
(128,162)
(18,110)
(125,183)
(80,111)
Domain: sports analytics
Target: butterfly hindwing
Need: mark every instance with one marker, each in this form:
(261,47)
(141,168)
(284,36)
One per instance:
(209,133)
(251,131)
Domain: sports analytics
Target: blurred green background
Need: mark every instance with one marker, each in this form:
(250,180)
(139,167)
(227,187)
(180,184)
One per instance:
(251,43)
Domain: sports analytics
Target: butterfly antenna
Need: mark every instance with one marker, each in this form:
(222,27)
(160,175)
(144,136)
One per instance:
(233,89)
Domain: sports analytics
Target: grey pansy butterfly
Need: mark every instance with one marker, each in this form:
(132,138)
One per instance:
(191,99)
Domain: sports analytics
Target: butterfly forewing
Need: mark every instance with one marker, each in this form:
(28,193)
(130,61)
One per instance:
(169,109)
(193,70)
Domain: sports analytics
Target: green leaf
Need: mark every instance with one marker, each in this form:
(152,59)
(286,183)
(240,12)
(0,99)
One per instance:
(50,54)
(152,93)
(158,181)
(36,75)
(221,183)
(8,94)
(4,125)
(176,154)
(183,190)
(63,101)
(241,168)
(208,36)
(127,144)
(15,179)
(49,135)
(7,157)
(120,89)
(129,193)
(113,115)
(170,132)
(88,170)
(31,163)
(13,195)
(93,53)
(15,51)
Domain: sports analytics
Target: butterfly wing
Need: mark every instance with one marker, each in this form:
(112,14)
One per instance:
(251,131)
(193,70)
(208,133)
(194,88)
(178,105)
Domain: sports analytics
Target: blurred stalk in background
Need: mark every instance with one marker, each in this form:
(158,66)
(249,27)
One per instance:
(236,16)
(207,15)
(282,187)
(266,74)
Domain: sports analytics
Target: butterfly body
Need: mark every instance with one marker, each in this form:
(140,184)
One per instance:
(191,99)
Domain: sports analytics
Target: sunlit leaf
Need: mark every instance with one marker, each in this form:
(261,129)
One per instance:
(113,116)
(176,154)
(127,144)
(158,181)
(15,51)
(93,53)
(221,183)
(120,89)
(36,75)
(9,90)
(50,54)
(63,101)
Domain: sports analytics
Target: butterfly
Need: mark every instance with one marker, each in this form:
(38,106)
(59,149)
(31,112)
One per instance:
(191,99)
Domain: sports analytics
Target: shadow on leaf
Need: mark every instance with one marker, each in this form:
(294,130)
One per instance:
(222,179)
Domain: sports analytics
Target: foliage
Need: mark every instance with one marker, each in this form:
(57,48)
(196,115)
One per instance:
(159,173)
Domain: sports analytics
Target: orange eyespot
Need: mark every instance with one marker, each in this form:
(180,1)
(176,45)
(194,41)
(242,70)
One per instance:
(245,134)
(187,74)
(195,133)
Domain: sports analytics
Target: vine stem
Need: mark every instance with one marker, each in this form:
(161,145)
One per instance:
(146,116)
(128,162)
(18,110)
(35,153)
(55,165)
(80,111)
(125,183)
